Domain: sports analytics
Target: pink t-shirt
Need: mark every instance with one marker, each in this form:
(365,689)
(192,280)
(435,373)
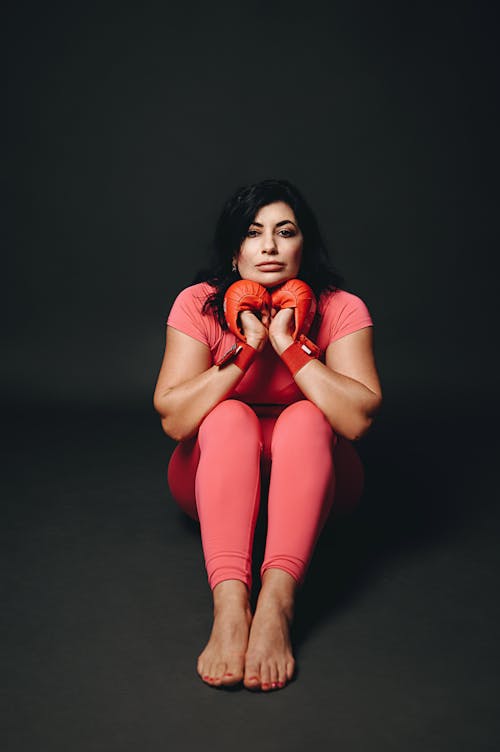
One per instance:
(267,380)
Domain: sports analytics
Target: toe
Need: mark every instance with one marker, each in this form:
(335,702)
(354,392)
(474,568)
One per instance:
(265,677)
(202,670)
(209,673)
(282,677)
(218,673)
(232,674)
(274,673)
(206,677)
(251,679)
(274,676)
(228,679)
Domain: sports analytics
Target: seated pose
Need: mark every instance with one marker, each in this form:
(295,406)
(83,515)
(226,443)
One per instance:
(267,380)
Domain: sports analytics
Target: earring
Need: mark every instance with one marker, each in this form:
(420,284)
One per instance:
(234,268)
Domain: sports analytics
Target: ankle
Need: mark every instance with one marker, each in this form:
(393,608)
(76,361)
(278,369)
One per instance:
(232,593)
(278,591)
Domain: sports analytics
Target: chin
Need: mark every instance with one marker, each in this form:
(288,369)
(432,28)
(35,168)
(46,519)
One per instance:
(276,282)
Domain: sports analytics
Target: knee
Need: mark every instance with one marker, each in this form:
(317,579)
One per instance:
(302,414)
(228,419)
(304,422)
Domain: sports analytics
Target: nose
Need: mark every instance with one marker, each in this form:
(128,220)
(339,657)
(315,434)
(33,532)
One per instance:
(269,243)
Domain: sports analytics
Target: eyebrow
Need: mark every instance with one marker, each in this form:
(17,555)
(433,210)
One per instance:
(278,224)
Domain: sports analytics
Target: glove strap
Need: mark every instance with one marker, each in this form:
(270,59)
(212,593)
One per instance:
(299,353)
(240,354)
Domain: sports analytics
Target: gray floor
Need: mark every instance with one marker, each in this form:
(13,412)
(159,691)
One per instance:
(106,604)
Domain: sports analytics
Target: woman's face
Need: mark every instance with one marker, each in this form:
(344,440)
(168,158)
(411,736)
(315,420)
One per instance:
(272,249)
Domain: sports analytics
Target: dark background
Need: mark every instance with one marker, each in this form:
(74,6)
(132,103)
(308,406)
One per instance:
(127,126)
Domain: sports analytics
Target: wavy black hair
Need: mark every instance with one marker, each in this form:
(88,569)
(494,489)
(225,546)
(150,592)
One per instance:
(231,228)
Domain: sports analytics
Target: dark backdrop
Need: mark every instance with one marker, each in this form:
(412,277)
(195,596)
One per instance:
(126,127)
(129,126)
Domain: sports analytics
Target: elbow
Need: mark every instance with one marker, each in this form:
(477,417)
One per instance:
(172,421)
(169,430)
(176,432)
(168,425)
(174,429)
(359,427)
(159,404)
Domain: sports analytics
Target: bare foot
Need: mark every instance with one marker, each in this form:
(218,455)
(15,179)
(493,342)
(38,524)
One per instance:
(269,662)
(222,662)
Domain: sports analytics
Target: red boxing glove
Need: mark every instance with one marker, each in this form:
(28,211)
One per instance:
(297,295)
(244,295)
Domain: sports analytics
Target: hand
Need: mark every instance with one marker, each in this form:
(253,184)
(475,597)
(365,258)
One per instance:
(293,309)
(281,329)
(255,329)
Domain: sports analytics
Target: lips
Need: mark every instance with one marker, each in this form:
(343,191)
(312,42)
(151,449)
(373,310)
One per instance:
(270,266)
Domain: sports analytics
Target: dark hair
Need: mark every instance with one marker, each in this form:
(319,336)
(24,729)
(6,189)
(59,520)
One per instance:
(231,228)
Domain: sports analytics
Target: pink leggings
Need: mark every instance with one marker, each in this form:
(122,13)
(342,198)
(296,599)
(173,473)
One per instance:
(216,479)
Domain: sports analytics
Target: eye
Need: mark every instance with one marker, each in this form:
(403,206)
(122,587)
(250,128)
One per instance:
(287,233)
(252,233)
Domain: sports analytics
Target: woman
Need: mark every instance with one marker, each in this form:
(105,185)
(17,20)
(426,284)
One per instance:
(273,416)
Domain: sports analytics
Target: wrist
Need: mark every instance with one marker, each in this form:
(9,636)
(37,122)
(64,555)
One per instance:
(256,342)
(241,354)
(281,342)
(299,353)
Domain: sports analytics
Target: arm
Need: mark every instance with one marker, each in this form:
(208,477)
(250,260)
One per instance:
(347,388)
(189,386)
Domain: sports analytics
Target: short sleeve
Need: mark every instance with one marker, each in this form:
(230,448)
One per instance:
(185,314)
(343,313)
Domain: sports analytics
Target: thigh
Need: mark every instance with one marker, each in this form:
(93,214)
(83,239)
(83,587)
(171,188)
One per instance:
(301,418)
(182,474)
(230,424)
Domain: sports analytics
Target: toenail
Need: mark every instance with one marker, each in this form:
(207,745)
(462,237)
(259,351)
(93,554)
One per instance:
(265,685)
(281,684)
(228,674)
(274,685)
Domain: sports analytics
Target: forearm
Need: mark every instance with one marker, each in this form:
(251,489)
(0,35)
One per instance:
(348,405)
(182,408)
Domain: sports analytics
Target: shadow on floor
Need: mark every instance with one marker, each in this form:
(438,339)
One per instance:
(419,473)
